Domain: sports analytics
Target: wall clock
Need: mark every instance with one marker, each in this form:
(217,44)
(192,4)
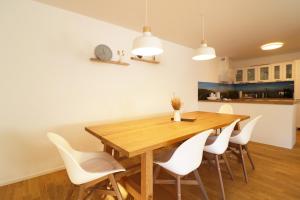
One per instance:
(103,52)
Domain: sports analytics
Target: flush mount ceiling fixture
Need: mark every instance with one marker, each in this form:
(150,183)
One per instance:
(147,44)
(271,46)
(204,52)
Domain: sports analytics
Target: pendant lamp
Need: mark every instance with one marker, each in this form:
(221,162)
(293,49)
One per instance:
(147,44)
(204,52)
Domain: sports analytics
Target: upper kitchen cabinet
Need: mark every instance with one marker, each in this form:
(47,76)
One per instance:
(276,72)
(239,75)
(264,73)
(288,71)
(283,71)
(251,74)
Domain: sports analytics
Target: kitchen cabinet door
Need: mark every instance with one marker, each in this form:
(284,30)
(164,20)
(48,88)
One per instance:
(264,73)
(251,74)
(276,72)
(288,71)
(239,75)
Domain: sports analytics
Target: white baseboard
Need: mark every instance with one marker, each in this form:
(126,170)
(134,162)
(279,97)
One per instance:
(34,175)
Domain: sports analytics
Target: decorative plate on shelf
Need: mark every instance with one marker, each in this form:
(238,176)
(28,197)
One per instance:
(103,52)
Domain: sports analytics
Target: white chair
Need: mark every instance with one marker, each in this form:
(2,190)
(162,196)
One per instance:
(217,145)
(226,109)
(87,169)
(182,161)
(239,141)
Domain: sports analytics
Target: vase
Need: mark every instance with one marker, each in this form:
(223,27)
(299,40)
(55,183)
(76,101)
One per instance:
(177,117)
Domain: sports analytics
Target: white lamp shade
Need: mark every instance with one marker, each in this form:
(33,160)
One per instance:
(204,53)
(147,45)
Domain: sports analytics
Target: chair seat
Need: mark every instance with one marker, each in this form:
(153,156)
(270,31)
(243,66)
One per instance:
(98,165)
(102,162)
(210,140)
(209,147)
(163,155)
(162,158)
(218,144)
(235,137)
(185,158)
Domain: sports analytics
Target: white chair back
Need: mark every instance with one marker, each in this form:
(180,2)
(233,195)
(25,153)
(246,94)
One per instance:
(70,158)
(221,143)
(188,155)
(245,135)
(226,109)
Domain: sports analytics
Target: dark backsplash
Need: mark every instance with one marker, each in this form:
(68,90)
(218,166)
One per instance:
(284,89)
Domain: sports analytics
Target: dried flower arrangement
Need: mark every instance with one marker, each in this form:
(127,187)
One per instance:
(176,103)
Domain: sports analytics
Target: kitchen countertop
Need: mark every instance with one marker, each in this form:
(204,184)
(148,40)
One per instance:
(258,101)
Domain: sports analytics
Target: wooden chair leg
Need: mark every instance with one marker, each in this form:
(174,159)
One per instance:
(178,188)
(115,186)
(156,172)
(249,156)
(220,176)
(208,160)
(197,176)
(227,165)
(70,193)
(243,163)
(81,193)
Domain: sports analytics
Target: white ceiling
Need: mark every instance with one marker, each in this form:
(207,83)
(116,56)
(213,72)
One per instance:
(235,28)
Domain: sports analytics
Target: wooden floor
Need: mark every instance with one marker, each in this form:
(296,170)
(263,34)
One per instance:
(277,176)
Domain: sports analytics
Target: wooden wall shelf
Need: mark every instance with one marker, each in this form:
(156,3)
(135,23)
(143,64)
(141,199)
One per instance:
(145,60)
(109,62)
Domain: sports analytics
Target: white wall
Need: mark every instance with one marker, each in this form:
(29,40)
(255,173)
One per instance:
(266,60)
(298,116)
(276,127)
(47,83)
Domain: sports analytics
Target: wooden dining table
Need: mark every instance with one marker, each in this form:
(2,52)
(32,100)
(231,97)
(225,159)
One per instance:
(142,136)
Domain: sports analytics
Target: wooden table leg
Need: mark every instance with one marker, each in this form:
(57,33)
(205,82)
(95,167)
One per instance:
(147,176)
(108,149)
(116,154)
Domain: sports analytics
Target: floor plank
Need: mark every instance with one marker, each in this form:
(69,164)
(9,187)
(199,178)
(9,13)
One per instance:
(277,176)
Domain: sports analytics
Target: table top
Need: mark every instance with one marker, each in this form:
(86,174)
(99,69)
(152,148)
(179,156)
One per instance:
(136,137)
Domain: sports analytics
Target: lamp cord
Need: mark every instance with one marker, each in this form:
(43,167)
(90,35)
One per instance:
(146,14)
(202,21)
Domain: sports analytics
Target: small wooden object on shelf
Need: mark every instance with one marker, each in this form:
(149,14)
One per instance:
(109,62)
(145,60)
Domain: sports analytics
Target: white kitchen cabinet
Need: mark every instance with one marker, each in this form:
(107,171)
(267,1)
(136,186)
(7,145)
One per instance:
(268,73)
(239,75)
(276,72)
(251,74)
(288,71)
(264,73)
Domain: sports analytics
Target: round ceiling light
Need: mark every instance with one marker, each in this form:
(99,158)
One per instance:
(271,46)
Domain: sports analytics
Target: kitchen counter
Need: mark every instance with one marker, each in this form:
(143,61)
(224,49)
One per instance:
(277,126)
(257,101)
